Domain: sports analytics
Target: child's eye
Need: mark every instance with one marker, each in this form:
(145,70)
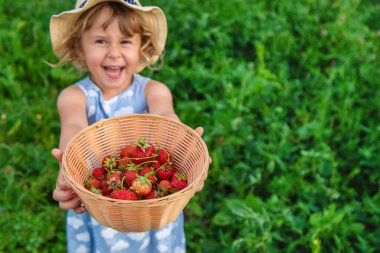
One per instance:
(100,42)
(126,42)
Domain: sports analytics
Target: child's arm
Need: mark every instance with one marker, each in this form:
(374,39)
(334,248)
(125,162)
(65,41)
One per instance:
(72,111)
(160,99)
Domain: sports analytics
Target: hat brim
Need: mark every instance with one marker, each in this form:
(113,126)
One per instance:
(61,24)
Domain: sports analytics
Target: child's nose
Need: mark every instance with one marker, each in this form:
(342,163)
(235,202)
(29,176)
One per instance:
(114,51)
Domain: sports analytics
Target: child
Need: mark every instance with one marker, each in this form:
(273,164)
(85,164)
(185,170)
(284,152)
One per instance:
(113,41)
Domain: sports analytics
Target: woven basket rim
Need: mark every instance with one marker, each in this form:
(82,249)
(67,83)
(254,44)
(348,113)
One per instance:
(101,122)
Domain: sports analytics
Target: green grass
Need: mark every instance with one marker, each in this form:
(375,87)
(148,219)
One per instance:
(288,94)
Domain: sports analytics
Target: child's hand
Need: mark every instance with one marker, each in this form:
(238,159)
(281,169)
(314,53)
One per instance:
(63,193)
(199,130)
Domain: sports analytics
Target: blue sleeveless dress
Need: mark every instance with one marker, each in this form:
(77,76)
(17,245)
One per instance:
(84,233)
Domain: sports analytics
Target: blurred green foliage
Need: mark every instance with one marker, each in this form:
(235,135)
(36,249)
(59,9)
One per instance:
(288,94)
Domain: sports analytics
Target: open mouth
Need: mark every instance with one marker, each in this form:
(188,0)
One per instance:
(113,71)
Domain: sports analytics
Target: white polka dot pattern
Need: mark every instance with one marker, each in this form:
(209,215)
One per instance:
(129,93)
(84,237)
(144,244)
(74,222)
(162,248)
(164,232)
(91,110)
(108,233)
(124,110)
(137,236)
(82,249)
(119,246)
(92,93)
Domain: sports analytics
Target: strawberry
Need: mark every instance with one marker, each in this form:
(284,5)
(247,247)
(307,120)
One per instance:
(125,194)
(155,165)
(114,179)
(178,182)
(109,162)
(141,186)
(149,173)
(92,183)
(99,173)
(143,152)
(164,187)
(105,189)
(127,151)
(166,171)
(122,163)
(163,156)
(129,176)
(153,194)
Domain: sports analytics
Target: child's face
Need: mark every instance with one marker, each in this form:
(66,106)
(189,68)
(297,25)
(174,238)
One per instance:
(111,57)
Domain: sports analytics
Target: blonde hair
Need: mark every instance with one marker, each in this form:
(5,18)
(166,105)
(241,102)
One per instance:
(130,23)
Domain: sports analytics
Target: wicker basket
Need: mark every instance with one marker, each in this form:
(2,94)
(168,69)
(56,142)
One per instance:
(86,149)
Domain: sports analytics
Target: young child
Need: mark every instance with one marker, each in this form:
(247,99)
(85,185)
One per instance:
(112,41)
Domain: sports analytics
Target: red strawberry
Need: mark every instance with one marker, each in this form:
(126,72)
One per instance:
(129,176)
(149,173)
(105,189)
(114,179)
(163,156)
(99,173)
(127,151)
(125,194)
(153,194)
(164,187)
(92,184)
(122,163)
(143,152)
(166,171)
(178,182)
(155,165)
(141,186)
(109,162)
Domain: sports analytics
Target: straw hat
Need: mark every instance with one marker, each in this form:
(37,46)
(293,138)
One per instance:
(62,23)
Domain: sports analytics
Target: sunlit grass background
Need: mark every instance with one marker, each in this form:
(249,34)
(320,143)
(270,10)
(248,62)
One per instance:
(288,94)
